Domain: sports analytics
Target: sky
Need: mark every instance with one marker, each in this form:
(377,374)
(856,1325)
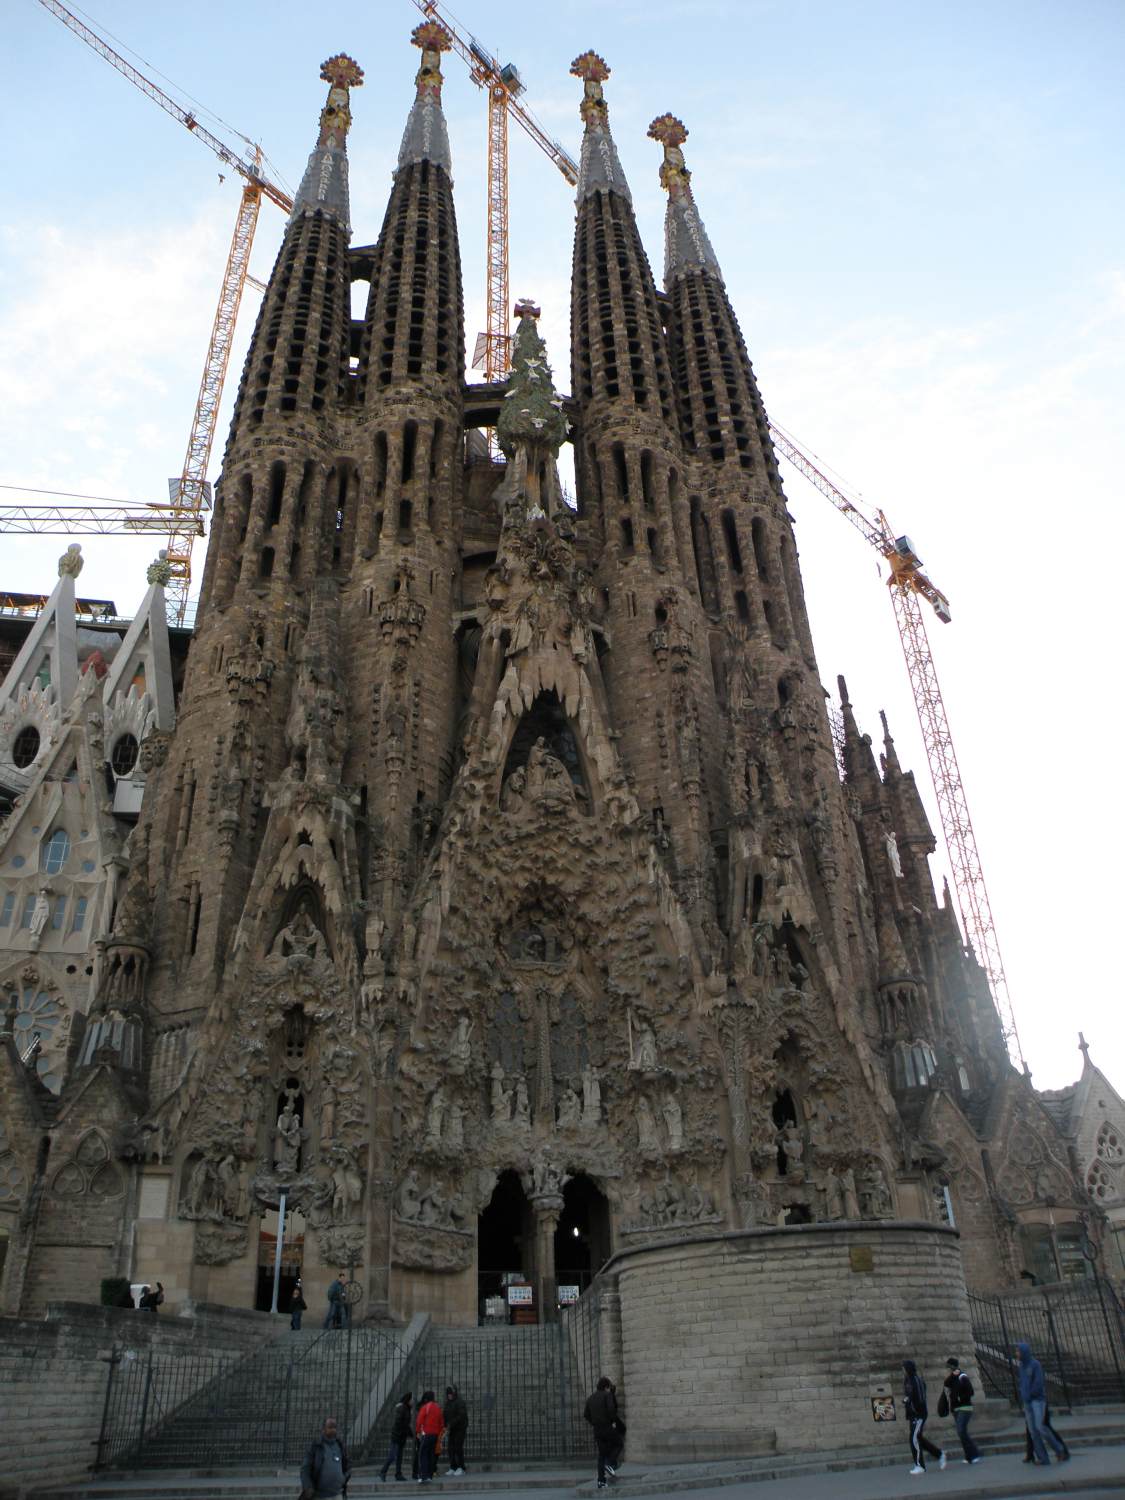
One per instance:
(920,215)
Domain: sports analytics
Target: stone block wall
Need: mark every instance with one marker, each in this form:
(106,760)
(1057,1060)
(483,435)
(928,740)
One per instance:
(735,1342)
(53,1376)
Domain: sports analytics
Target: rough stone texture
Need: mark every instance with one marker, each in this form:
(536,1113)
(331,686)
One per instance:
(730,1339)
(496,832)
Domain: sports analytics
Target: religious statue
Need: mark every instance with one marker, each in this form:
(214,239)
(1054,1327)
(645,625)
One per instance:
(501,1097)
(570,1109)
(833,1196)
(455,1130)
(890,843)
(792,1147)
(227,1174)
(435,1117)
(197,1198)
(875,1193)
(347,1189)
(591,1097)
(547,777)
(41,912)
(851,1199)
(647,1142)
(409,1200)
(460,1047)
(287,1142)
(673,1121)
(522,1112)
(644,1056)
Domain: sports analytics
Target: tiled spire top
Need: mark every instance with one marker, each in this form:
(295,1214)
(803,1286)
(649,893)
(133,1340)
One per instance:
(686,246)
(599,167)
(425,137)
(532,410)
(324,187)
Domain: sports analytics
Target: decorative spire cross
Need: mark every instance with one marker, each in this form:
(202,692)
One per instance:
(341,73)
(433,40)
(593,70)
(671,133)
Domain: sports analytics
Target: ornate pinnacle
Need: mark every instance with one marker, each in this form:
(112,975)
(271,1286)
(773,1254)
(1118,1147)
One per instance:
(593,70)
(671,133)
(341,73)
(525,308)
(433,40)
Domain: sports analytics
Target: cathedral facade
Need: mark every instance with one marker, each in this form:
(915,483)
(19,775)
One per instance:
(499,899)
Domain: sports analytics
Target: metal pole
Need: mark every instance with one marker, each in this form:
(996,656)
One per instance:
(1058,1352)
(1008,1355)
(277,1251)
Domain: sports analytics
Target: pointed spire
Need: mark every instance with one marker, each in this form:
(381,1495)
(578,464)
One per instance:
(686,246)
(599,166)
(425,137)
(324,187)
(891,768)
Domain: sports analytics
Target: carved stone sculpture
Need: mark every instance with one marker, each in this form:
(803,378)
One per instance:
(287,1141)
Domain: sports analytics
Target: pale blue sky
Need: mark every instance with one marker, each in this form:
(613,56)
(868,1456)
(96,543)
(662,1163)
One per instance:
(920,216)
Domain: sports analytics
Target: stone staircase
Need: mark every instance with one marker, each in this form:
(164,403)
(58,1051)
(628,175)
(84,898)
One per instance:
(523,1387)
(267,1407)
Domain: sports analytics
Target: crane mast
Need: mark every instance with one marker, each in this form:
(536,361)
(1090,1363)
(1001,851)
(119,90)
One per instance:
(188,493)
(908,585)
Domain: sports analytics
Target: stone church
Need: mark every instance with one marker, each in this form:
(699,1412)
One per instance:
(499,900)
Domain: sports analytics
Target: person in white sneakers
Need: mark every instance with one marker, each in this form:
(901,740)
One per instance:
(914,1405)
(456,1415)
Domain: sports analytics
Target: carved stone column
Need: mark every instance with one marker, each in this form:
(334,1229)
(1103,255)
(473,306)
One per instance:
(545,1221)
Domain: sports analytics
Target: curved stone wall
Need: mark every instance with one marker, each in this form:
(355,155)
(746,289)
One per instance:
(781,1337)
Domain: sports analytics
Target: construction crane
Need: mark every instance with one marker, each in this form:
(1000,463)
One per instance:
(99,517)
(189,495)
(908,585)
(504,86)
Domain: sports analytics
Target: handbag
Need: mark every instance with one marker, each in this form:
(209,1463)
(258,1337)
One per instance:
(943,1405)
(619,1427)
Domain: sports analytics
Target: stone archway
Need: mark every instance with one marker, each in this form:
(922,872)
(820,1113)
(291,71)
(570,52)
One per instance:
(505,1246)
(582,1239)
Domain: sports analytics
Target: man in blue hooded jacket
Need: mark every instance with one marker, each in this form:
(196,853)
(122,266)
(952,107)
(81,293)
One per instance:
(1033,1395)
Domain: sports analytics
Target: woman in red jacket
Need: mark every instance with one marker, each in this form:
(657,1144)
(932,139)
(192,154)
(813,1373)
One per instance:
(427,1429)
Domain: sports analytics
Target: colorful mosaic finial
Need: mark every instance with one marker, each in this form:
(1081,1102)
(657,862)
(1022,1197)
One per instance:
(671,133)
(593,70)
(433,40)
(341,73)
(525,308)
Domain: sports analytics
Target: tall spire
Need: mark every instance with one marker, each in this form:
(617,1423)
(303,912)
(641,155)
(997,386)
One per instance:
(425,137)
(686,246)
(599,166)
(324,187)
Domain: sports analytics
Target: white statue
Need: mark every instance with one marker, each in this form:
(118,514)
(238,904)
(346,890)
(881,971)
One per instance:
(833,1196)
(501,1097)
(41,913)
(644,1056)
(647,1143)
(673,1121)
(891,845)
(793,1145)
(460,1047)
(435,1117)
(591,1097)
(570,1109)
(287,1144)
(522,1112)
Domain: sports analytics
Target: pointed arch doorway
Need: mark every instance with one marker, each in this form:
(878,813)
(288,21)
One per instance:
(582,1239)
(505,1244)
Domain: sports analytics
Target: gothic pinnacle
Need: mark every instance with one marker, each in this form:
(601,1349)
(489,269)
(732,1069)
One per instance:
(324,187)
(425,137)
(686,246)
(599,167)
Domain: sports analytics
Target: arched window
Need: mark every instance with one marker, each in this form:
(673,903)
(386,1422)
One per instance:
(25,747)
(124,755)
(55,852)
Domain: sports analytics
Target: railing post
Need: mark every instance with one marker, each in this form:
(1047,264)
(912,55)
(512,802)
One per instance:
(288,1399)
(144,1405)
(1008,1350)
(1058,1351)
(1109,1333)
(114,1361)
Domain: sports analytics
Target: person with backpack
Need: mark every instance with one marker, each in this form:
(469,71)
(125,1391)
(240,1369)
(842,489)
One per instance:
(957,1398)
(401,1428)
(326,1469)
(914,1405)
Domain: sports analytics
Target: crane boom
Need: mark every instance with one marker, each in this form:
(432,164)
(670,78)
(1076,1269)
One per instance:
(908,585)
(189,495)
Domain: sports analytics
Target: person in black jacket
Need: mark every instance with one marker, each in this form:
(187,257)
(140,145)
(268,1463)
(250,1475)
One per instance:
(959,1394)
(601,1413)
(456,1417)
(402,1425)
(297,1305)
(327,1468)
(914,1404)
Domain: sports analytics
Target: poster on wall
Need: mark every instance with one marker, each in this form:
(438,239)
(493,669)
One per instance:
(883,1409)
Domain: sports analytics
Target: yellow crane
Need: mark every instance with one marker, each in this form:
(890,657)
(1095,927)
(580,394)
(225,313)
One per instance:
(189,495)
(908,586)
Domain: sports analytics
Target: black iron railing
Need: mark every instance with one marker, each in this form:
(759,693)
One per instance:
(176,1410)
(1076,1332)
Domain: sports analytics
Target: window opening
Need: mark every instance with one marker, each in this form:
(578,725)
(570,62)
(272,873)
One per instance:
(56,852)
(124,755)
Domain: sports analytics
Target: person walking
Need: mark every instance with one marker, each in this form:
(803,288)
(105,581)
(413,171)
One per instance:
(455,1414)
(914,1405)
(428,1427)
(958,1392)
(601,1413)
(401,1428)
(1029,1456)
(297,1305)
(337,1314)
(1033,1395)
(326,1469)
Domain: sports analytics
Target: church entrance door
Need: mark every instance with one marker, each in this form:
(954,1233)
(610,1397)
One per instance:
(504,1253)
(582,1239)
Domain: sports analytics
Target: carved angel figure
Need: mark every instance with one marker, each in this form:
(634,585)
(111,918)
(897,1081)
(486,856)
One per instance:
(570,1109)
(287,1142)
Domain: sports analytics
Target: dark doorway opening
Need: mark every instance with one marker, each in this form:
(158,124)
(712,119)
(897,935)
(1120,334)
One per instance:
(504,1247)
(582,1240)
(292,1256)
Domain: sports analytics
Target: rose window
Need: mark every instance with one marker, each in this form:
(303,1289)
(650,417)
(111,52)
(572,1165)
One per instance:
(38,1018)
(1109,1146)
(1098,1184)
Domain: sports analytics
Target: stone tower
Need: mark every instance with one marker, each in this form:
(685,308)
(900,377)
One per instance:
(501,898)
